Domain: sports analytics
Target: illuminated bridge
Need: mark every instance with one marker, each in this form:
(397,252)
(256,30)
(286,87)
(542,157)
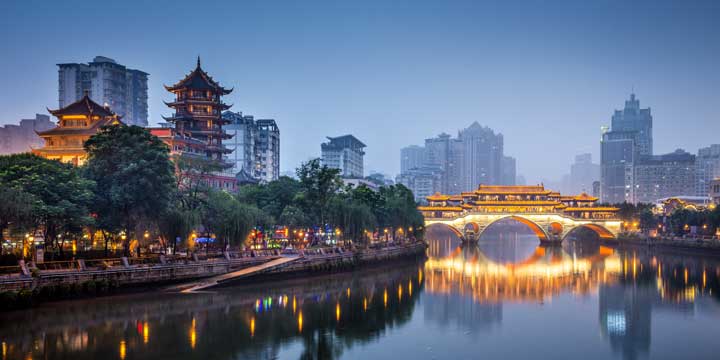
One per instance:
(547,213)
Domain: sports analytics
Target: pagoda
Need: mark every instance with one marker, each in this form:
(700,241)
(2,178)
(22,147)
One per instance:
(198,116)
(77,122)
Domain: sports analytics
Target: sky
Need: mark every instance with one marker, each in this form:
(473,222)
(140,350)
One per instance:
(546,74)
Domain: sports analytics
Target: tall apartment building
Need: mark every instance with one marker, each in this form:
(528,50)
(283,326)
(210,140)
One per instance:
(621,146)
(458,164)
(411,157)
(23,137)
(660,176)
(422,181)
(255,146)
(708,168)
(267,150)
(345,153)
(124,90)
(583,173)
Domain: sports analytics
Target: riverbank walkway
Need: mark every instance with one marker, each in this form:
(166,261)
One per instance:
(235,275)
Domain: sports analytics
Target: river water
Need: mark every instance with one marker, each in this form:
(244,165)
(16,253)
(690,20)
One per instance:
(505,298)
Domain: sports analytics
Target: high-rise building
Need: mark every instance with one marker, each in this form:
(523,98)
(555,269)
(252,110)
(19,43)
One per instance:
(639,121)
(661,176)
(482,156)
(23,137)
(242,143)
(708,168)
(508,170)
(460,164)
(411,157)
(107,82)
(345,153)
(582,174)
(423,181)
(267,151)
(629,138)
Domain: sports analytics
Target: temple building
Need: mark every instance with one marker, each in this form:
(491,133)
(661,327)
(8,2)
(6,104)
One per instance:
(197,124)
(533,199)
(77,122)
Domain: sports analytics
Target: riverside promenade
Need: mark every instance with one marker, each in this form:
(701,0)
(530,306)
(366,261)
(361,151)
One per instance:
(197,270)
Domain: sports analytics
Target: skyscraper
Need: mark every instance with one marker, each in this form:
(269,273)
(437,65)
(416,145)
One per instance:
(255,146)
(107,82)
(661,176)
(267,150)
(482,156)
(628,139)
(453,165)
(345,153)
(411,157)
(582,174)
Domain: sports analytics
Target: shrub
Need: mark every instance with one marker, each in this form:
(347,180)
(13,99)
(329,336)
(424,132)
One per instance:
(62,290)
(102,286)
(24,298)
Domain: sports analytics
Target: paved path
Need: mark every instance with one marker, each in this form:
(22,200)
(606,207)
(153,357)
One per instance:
(253,270)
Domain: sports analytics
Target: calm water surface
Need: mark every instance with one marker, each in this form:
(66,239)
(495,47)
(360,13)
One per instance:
(504,298)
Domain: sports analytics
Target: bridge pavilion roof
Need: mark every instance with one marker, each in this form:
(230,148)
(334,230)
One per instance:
(512,189)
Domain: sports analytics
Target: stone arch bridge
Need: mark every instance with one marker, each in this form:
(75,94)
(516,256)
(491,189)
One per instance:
(550,228)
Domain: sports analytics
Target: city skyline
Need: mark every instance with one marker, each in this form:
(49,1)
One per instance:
(539,84)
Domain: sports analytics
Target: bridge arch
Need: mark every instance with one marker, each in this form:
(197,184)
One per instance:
(602,232)
(537,229)
(455,230)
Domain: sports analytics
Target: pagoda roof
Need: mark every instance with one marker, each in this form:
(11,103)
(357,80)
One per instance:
(585,197)
(84,106)
(516,203)
(91,130)
(198,79)
(592,208)
(438,197)
(440,208)
(512,189)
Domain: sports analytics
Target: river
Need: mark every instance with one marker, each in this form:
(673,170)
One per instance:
(507,297)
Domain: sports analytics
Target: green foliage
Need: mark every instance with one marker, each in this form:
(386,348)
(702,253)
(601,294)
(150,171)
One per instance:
(230,220)
(56,194)
(318,184)
(134,176)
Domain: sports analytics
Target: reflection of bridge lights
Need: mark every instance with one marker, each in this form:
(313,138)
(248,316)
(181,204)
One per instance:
(400,292)
(300,321)
(294,304)
(193,335)
(410,288)
(337,311)
(252,327)
(123,349)
(385,298)
(364,304)
(348,292)
(146,333)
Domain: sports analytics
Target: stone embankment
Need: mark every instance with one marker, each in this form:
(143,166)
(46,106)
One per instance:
(705,244)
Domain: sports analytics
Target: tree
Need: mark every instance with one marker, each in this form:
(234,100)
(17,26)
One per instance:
(60,195)
(134,176)
(318,184)
(176,223)
(15,209)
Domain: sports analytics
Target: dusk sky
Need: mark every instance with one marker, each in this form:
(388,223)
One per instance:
(546,74)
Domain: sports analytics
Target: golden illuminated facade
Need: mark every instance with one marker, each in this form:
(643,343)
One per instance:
(550,214)
(77,122)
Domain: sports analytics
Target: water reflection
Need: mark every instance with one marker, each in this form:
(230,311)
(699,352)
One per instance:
(616,302)
(324,317)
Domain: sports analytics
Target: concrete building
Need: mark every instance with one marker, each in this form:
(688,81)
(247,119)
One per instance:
(662,176)
(583,173)
(715,191)
(474,157)
(411,157)
(482,156)
(621,146)
(255,146)
(509,170)
(345,153)
(107,82)
(708,168)
(267,150)
(423,181)
(23,137)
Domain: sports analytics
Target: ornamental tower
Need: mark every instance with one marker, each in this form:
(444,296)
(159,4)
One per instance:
(77,122)
(198,114)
